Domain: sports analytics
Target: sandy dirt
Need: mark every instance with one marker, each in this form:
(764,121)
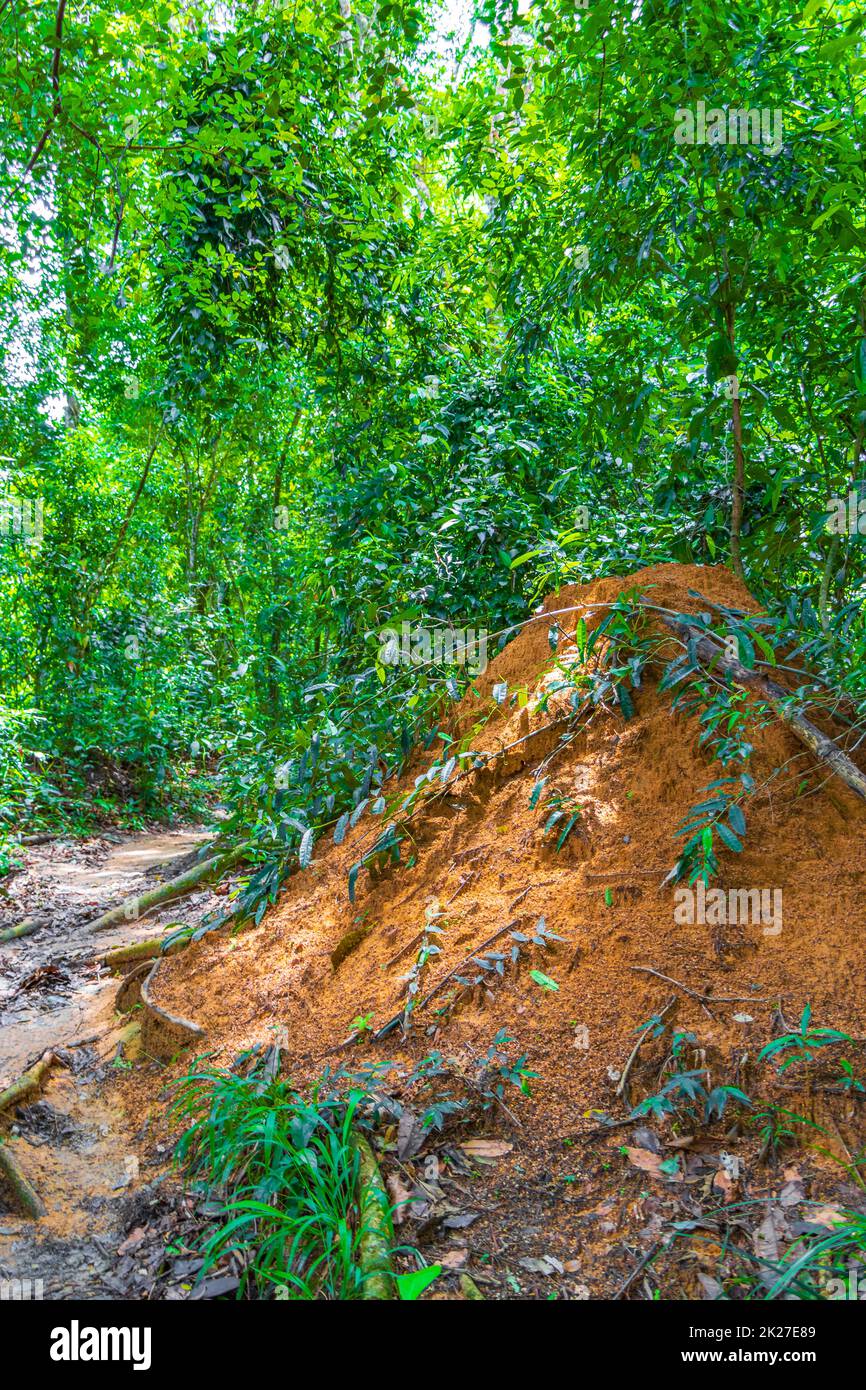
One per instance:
(560,1206)
(479,856)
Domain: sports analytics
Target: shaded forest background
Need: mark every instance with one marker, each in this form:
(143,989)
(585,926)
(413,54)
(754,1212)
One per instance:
(323,318)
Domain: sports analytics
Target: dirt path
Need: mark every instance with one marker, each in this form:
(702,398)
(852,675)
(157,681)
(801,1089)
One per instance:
(72,1142)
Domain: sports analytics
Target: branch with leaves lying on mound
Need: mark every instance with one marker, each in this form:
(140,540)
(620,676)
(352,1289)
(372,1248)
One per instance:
(613,658)
(490,963)
(781,701)
(713,682)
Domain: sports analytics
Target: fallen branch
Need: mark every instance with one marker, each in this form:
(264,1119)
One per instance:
(25,928)
(404,950)
(26,1195)
(392,1023)
(779,700)
(29,1081)
(637,1047)
(374,1245)
(136,907)
(695,994)
(545,883)
(647,1259)
(606,1128)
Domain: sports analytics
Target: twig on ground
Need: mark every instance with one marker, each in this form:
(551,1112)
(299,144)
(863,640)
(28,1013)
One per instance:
(621,1084)
(393,1022)
(702,999)
(641,1265)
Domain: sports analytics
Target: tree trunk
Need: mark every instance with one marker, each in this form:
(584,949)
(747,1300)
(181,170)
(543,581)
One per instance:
(739,482)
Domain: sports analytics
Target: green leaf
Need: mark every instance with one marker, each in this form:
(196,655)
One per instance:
(544,980)
(626,703)
(721,359)
(536,793)
(729,837)
(745,648)
(737,819)
(353,879)
(305,853)
(411,1286)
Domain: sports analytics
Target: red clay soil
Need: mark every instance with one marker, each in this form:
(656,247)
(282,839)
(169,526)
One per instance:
(479,853)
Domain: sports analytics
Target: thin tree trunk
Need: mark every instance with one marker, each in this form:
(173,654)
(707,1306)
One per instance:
(276,622)
(97,584)
(739,483)
(829,567)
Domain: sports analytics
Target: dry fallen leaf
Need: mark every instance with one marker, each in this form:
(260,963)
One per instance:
(410,1135)
(401,1197)
(132,1240)
(486,1148)
(724,1183)
(545,1264)
(826,1216)
(653,1163)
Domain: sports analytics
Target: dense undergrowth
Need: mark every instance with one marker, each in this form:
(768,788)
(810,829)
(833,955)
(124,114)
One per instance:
(286,1211)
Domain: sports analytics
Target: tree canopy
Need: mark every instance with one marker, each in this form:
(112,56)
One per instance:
(322,318)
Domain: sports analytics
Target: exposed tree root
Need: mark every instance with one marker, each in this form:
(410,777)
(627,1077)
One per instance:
(137,952)
(376,1230)
(164,1034)
(29,1081)
(25,928)
(129,990)
(209,870)
(127,1035)
(23,1191)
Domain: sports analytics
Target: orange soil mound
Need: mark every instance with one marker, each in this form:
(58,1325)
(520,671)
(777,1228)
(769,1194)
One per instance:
(479,853)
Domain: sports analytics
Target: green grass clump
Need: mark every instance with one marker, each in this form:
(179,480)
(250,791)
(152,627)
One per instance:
(287,1171)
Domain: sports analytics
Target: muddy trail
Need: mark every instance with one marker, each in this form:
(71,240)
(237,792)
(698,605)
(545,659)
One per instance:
(71,1140)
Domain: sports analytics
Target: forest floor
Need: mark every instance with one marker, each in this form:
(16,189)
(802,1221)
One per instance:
(73,1142)
(567,953)
(566,1194)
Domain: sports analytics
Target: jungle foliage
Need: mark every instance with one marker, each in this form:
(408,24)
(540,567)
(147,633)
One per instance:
(317,322)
